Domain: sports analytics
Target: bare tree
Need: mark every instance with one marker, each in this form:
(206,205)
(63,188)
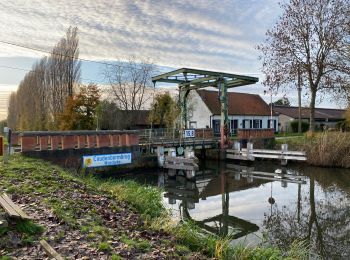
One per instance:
(42,94)
(63,71)
(310,38)
(130,83)
(12,113)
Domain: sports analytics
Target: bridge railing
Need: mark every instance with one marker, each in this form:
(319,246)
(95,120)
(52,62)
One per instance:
(62,140)
(148,136)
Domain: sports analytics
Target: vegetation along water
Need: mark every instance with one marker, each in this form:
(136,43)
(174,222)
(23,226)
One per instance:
(83,216)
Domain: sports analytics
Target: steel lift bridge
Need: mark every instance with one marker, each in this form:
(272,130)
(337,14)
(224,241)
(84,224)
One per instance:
(192,79)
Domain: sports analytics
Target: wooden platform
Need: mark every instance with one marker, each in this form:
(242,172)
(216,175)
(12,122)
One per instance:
(250,154)
(12,209)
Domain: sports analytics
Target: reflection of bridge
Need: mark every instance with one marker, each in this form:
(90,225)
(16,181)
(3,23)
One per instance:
(212,183)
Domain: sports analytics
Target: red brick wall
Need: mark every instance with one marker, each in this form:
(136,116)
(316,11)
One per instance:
(68,142)
(91,143)
(58,140)
(133,139)
(43,142)
(55,142)
(103,141)
(205,133)
(28,143)
(115,140)
(81,141)
(15,139)
(123,140)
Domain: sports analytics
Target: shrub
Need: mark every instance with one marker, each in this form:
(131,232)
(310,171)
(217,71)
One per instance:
(294,126)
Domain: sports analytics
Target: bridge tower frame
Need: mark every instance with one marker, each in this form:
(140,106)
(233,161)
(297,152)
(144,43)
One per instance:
(192,79)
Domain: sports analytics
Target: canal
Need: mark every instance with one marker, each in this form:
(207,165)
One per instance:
(253,204)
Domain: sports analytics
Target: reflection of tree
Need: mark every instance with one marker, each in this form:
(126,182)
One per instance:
(324,224)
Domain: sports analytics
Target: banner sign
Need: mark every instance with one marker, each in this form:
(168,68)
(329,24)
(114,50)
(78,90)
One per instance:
(106,160)
(190,133)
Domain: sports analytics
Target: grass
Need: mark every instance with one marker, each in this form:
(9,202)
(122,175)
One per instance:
(23,175)
(288,134)
(138,244)
(104,246)
(28,230)
(28,227)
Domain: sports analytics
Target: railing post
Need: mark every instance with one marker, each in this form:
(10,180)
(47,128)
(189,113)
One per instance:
(284,148)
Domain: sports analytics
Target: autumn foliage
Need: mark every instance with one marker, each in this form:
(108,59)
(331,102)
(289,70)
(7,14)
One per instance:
(80,110)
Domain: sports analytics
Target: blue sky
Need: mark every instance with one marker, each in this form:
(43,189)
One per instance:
(218,35)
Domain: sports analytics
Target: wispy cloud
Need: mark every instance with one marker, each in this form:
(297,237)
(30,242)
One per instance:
(218,35)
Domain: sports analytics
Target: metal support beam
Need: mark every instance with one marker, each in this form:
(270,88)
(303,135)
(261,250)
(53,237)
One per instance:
(183,106)
(224,122)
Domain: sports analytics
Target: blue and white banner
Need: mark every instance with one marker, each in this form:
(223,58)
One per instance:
(106,160)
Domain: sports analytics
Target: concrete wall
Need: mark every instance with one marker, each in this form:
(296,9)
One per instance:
(200,116)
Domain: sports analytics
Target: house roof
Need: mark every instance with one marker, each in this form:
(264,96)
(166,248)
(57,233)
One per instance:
(320,113)
(238,103)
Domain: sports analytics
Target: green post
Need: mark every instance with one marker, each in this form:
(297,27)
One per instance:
(224,122)
(183,105)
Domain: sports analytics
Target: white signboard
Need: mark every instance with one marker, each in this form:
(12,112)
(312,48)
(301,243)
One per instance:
(106,160)
(190,133)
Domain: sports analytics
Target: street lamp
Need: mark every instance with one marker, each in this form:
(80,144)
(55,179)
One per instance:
(270,92)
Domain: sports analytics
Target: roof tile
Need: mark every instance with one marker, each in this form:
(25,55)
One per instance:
(238,103)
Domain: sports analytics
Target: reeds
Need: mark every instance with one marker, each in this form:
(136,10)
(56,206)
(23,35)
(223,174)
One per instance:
(330,149)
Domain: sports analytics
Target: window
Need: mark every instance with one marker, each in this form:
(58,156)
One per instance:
(247,123)
(193,124)
(257,123)
(216,126)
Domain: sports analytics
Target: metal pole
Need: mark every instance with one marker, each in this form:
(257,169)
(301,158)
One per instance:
(224,113)
(299,100)
(271,124)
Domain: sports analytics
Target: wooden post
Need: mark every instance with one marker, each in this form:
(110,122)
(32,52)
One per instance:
(250,151)
(284,148)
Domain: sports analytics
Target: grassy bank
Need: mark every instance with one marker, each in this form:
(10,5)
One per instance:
(105,219)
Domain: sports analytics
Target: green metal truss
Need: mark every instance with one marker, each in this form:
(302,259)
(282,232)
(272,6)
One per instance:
(192,79)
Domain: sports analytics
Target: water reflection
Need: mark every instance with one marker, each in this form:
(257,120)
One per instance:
(247,203)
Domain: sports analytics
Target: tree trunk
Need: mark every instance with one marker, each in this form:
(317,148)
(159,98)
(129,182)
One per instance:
(312,111)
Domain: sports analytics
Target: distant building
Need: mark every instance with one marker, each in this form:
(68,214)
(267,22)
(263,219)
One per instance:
(324,117)
(127,120)
(245,111)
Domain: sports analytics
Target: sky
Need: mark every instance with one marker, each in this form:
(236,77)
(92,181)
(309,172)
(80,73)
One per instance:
(219,35)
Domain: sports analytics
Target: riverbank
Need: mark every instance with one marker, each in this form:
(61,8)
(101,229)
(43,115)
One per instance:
(87,218)
(325,149)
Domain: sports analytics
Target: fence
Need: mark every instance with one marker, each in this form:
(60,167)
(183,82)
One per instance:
(61,140)
(172,135)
